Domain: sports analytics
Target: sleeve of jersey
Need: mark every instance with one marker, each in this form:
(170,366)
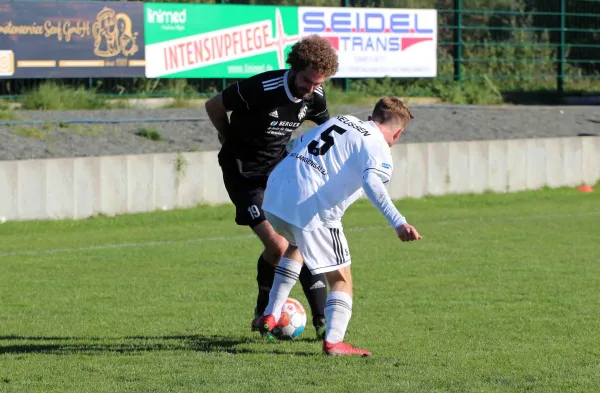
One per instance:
(242,95)
(378,195)
(377,161)
(319,113)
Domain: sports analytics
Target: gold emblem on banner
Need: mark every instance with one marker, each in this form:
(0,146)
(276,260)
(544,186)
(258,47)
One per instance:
(7,62)
(113,34)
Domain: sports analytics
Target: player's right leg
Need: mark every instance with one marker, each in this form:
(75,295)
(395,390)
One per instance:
(287,273)
(247,196)
(275,246)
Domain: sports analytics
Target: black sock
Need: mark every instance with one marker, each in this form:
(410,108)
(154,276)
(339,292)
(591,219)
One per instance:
(264,277)
(315,289)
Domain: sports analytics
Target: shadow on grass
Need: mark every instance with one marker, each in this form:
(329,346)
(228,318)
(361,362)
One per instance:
(136,344)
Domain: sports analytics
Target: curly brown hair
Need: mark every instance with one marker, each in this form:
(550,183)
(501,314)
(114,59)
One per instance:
(315,52)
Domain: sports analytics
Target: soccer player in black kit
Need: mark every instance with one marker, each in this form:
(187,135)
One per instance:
(265,110)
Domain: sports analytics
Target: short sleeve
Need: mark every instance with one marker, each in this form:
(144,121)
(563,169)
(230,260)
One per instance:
(318,112)
(377,158)
(242,95)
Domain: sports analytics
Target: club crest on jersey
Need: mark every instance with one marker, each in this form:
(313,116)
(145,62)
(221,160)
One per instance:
(302,113)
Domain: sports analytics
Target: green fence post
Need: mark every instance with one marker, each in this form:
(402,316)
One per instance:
(458,9)
(560,78)
(224,80)
(345,3)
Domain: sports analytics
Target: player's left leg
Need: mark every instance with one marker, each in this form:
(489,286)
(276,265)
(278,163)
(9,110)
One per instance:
(315,290)
(325,250)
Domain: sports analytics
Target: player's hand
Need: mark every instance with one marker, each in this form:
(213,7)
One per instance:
(407,233)
(292,144)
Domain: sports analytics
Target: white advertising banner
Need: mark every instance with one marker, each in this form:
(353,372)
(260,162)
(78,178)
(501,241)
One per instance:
(376,42)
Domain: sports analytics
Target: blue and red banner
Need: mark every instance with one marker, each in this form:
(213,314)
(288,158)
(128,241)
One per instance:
(377,42)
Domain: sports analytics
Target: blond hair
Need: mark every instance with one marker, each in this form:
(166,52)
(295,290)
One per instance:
(391,109)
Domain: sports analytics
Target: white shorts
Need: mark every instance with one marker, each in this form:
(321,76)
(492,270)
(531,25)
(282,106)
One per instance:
(323,250)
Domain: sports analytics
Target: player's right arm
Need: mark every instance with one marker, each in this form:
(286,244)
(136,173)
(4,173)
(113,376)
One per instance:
(217,113)
(241,96)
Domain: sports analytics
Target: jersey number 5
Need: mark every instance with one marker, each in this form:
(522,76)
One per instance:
(315,149)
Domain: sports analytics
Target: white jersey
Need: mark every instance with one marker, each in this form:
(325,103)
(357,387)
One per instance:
(322,176)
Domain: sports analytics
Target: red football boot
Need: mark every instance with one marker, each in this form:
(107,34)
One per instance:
(266,324)
(343,349)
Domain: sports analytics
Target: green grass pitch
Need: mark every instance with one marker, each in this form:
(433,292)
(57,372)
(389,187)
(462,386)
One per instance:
(501,295)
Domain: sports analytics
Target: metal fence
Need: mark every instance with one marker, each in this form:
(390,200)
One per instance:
(509,46)
(550,45)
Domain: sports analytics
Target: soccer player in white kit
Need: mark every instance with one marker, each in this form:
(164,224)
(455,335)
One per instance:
(306,196)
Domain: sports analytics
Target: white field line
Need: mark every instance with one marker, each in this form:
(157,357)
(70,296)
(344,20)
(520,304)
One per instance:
(251,236)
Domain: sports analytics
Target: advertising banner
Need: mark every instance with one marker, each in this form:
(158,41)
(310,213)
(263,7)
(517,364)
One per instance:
(71,40)
(377,42)
(217,41)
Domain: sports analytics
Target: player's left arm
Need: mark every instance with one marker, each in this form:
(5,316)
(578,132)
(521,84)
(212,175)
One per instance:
(319,113)
(377,171)
(376,193)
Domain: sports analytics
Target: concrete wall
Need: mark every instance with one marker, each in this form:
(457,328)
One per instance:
(82,187)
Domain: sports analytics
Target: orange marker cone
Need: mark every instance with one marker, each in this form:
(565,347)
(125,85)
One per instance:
(586,188)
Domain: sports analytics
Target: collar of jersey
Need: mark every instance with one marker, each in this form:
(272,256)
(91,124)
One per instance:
(287,88)
(377,132)
(373,126)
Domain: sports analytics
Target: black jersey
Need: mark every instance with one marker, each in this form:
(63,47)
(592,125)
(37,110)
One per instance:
(264,116)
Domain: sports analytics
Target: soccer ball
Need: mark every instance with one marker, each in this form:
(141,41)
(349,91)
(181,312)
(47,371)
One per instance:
(292,321)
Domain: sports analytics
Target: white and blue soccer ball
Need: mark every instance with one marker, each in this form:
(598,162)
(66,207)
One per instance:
(292,321)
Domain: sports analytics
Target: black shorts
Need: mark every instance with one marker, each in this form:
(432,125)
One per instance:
(247,196)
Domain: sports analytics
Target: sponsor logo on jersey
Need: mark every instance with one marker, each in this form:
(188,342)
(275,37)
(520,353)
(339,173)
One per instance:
(285,124)
(386,165)
(282,127)
(274,114)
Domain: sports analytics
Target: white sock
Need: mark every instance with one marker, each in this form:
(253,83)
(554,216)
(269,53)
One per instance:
(287,273)
(338,310)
